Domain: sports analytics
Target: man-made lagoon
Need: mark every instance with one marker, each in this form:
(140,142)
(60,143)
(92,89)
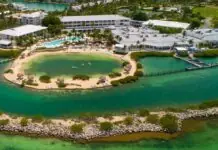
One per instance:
(41,6)
(150,92)
(73,64)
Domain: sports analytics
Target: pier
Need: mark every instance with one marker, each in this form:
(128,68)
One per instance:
(190,61)
(196,65)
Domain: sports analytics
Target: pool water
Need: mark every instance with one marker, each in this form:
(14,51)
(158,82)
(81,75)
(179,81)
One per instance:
(59,42)
(48,7)
(72,64)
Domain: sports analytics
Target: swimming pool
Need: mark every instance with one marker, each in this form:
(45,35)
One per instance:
(59,42)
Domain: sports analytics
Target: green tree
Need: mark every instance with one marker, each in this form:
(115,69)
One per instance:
(53,23)
(106,126)
(154,119)
(24,122)
(128,121)
(169,122)
(77,128)
(195,23)
(139,15)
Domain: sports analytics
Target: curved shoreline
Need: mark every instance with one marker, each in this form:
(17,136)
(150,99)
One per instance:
(71,84)
(61,128)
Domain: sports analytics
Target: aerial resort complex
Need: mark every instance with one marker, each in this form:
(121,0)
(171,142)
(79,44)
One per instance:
(94,72)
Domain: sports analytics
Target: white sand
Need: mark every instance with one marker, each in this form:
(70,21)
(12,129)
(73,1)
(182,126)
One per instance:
(17,68)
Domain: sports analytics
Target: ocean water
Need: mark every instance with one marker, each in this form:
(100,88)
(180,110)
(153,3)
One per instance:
(149,92)
(204,139)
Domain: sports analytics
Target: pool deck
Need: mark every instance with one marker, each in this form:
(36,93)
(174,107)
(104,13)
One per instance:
(17,67)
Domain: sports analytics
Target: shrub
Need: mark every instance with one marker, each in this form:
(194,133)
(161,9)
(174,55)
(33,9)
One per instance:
(45,79)
(125,63)
(106,126)
(81,77)
(154,119)
(115,83)
(77,128)
(128,121)
(24,122)
(128,79)
(209,104)
(114,74)
(4,122)
(9,71)
(207,53)
(138,73)
(37,119)
(139,66)
(138,55)
(61,83)
(169,122)
(143,112)
(167,30)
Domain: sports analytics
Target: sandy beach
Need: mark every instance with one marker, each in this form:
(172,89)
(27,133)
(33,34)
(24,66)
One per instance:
(17,67)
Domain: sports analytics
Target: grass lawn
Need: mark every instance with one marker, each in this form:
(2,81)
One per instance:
(208,11)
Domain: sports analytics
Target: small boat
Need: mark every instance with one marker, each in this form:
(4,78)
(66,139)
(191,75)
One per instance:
(89,63)
(83,64)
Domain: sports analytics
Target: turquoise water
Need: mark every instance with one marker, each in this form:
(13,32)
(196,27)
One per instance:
(205,139)
(150,92)
(59,42)
(72,64)
(42,6)
(162,64)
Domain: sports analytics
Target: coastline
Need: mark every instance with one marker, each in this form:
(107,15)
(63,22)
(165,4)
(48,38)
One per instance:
(60,128)
(71,84)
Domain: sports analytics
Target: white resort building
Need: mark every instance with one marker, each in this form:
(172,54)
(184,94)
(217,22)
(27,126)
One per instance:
(209,36)
(7,36)
(85,23)
(33,18)
(167,24)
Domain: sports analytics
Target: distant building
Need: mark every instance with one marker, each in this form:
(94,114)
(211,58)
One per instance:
(205,35)
(33,18)
(85,23)
(167,24)
(120,49)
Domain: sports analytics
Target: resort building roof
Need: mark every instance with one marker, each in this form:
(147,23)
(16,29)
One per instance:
(93,18)
(204,34)
(22,30)
(5,42)
(133,36)
(170,24)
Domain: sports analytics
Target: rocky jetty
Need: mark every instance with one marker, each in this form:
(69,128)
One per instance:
(62,128)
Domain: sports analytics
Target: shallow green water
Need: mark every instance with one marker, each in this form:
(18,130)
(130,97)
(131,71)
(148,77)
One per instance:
(169,90)
(42,6)
(205,139)
(162,64)
(72,64)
